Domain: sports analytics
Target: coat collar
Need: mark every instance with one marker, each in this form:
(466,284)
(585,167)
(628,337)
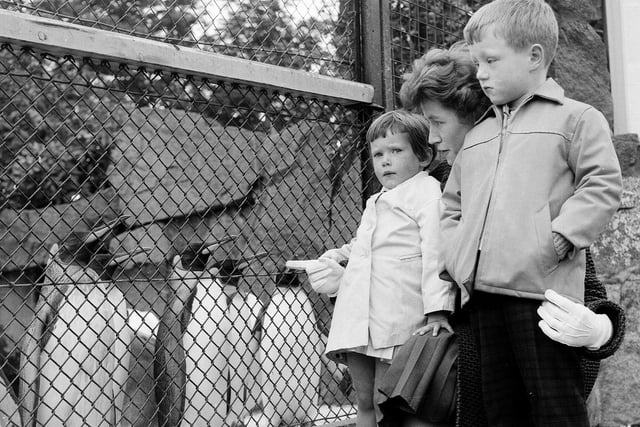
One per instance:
(549,90)
(403,184)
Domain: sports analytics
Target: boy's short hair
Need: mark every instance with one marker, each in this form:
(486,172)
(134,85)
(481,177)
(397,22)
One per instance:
(403,121)
(521,23)
(447,76)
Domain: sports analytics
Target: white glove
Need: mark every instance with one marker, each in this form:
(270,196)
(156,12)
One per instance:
(573,324)
(324,274)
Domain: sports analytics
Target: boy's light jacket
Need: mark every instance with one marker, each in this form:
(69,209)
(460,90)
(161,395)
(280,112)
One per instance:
(550,166)
(391,280)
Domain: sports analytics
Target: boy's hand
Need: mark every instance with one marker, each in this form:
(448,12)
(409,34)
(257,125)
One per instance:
(561,245)
(324,273)
(435,321)
(573,324)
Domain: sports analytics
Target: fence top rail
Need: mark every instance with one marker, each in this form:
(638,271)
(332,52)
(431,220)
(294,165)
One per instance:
(63,38)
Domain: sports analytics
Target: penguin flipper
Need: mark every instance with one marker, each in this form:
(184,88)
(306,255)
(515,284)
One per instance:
(170,362)
(121,353)
(8,407)
(31,352)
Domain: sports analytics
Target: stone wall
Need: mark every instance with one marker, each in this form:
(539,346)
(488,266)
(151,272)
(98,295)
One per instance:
(581,64)
(617,258)
(581,67)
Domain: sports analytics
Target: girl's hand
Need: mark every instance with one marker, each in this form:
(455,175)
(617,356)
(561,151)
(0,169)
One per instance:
(324,274)
(435,321)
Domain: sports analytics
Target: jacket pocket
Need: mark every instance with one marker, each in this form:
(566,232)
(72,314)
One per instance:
(547,256)
(409,257)
(461,256)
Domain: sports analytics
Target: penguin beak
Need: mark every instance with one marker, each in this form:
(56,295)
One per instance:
(177,264)
(213,246)
(97,233)
(53,252)
(246,261)
(120,257)
(100,232)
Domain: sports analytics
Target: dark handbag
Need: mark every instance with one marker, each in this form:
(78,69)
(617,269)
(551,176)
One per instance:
(422,379)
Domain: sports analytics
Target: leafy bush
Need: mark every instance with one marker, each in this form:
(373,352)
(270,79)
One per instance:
(55,130)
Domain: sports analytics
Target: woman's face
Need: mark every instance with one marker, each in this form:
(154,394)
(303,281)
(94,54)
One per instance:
(446,129)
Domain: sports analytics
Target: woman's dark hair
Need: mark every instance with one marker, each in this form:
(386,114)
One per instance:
(447,76)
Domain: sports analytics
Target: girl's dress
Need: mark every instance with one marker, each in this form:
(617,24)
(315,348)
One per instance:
(391,281)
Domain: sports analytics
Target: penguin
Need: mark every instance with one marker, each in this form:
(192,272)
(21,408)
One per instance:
(144,324)
(191,351)
(169,354)
(9,411)
(243,309)
(290,349)
(74,357)
(140,407)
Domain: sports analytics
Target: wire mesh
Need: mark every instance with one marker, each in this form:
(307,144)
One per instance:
(310,35)
(100,160)
(417,26)
(137,206)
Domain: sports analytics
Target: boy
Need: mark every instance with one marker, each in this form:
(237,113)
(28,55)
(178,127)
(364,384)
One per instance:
(536,181)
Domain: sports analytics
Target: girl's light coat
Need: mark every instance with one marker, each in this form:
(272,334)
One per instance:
(391,280)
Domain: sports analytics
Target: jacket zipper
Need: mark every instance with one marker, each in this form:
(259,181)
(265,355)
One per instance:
(503,130)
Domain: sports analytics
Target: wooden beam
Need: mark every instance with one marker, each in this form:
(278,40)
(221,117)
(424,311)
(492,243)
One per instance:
(62,38)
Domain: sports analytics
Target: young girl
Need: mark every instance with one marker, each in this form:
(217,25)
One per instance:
(390,288)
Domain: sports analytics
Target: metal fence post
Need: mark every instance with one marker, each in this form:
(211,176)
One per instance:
(374,59)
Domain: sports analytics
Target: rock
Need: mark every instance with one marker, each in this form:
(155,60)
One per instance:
(620,374)
(26,235)
(295,216)
(588,10)
(617,258)
(628,149)
(150,236)
(618,247)
(594,405)
(171,163)
(580,65)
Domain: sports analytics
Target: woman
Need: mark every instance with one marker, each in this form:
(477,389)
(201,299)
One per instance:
(443,87)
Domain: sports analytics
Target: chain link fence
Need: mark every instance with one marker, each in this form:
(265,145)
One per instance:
(147,206)
(417,26)
(318,36)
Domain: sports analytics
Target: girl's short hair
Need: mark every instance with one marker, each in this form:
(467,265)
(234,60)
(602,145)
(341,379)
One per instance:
(521,23)
(403,121)
(447,76)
